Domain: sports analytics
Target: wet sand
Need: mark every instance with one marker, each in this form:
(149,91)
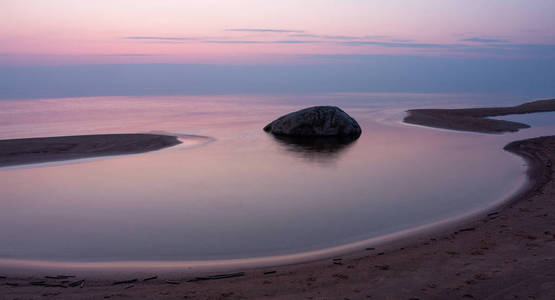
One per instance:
(475,119)
(506,253)
(39,150)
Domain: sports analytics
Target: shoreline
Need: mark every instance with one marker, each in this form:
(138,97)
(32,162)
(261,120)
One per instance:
(14,152)
(491,251)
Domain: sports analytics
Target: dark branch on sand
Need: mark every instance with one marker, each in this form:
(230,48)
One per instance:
(215,277)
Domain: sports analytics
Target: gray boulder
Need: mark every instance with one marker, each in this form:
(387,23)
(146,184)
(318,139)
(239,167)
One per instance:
(317,121)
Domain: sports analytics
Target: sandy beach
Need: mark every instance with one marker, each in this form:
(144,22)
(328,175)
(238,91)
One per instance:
(39,150)
(506,253)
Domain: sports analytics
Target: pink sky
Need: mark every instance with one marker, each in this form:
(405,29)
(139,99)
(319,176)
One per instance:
(259,31)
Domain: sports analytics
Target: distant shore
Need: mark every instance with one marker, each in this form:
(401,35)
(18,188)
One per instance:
(505,253)
(48,149)
(475,119)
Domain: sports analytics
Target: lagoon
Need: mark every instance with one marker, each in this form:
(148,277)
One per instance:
(231,190)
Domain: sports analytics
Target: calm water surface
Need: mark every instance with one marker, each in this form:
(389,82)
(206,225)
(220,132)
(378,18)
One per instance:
(537,120)
(240,192)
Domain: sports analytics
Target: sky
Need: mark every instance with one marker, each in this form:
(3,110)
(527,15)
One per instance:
(261,31)
(60,34)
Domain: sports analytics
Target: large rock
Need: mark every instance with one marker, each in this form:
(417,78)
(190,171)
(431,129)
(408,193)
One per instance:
(316,121)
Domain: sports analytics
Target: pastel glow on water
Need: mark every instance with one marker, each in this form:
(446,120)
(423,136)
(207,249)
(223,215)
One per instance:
(243,193)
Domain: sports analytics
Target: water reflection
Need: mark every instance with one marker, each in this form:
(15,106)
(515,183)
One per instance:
(315,149)
(244,195)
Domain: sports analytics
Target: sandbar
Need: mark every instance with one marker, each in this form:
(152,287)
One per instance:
(48,149)
(475,119)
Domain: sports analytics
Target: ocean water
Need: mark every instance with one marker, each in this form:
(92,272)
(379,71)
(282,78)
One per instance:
(231,191)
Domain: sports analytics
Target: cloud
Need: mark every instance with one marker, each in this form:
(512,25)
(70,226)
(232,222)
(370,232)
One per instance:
(484,40)
(487,46)
(326,37)
(401,40)
(483,45)
(233,42)
(159,38)
(264,30)
(531,49)
(261,42)
(164,42)
(371,37)
(340,37)
(296,42)
(131,54)
(305,35)
(402,45)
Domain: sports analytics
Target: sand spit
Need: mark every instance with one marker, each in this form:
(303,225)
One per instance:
(39,150)
(475,119)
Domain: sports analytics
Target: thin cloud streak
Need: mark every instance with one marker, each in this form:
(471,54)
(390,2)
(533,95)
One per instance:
(327,37)
(264,30)
(233,42)
(488,46)
(132,54)
(484,40)
(401,40)
(261,42)
(402,45)
(165,42)
(340,37)
(305,35)
(297,42)
(159,38)
(370,37)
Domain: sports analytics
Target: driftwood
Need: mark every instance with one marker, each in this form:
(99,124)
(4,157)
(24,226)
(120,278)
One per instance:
(270,272)
(77,283)
(151,278)
(215,277)
(126,281)
(60,277)
(55,285)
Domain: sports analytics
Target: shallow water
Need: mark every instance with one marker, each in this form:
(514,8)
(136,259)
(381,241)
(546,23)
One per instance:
(240,192)
(542,119)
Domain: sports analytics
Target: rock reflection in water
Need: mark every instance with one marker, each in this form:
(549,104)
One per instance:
(315,149)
